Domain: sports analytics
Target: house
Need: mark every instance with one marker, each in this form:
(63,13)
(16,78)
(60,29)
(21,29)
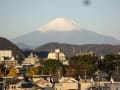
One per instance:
(57,55)
(19,84)
(42,81)
(8,61)
(66,83)
(7,58)
(5,53)
(31,59)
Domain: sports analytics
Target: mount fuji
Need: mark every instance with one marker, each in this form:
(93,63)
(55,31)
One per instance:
(60,25)
(64,31)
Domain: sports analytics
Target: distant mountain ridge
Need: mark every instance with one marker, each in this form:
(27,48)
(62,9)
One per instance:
(73,37)
(24,46)
(70,50)
(64,31)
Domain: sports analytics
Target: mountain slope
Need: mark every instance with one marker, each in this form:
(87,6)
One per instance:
(74,37)
(8,45)
(64,31)
(24,46)
(70,50)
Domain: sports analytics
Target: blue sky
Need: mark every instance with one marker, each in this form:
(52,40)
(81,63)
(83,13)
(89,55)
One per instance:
(18,17)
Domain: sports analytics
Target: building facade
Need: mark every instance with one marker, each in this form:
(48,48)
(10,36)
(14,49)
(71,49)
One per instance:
(5,53)
(31,59)
(57,55)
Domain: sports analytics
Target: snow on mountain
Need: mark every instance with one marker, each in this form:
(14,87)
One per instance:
(60,24)
(64,31)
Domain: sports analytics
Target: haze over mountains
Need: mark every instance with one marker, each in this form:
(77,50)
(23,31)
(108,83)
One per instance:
(64,31)
(68,49)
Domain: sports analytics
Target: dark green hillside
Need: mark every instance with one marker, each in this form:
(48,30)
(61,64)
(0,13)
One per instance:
(5,44)
(71,50)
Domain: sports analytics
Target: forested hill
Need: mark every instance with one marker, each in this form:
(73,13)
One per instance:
(70,50)
(6,44)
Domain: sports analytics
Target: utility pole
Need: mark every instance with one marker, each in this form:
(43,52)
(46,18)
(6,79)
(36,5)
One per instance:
(99,74)
(79,83)
(117,69)
(85,74)
(42,69)
(5,75)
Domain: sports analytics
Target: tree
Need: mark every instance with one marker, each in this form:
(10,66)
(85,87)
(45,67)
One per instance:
(69,71)
(52,66)
(111,61)
(3,70)
(84,63)
(12,72)
(32,71)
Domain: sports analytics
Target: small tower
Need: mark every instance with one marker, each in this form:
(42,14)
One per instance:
(57,52)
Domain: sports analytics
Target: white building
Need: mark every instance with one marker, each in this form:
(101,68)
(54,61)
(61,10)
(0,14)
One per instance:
(58,55)
(7,58)
(31,59)
(9,62)
(5,53)
(67,83)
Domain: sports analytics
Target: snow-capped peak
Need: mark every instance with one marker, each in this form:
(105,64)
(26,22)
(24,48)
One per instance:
(59,24)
